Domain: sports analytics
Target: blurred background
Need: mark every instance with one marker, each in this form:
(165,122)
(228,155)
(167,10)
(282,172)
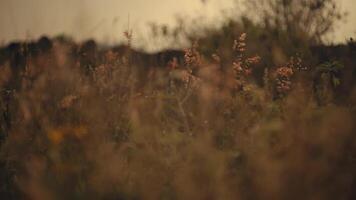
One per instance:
(105,20)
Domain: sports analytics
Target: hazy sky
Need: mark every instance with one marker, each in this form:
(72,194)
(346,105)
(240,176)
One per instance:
(105,20)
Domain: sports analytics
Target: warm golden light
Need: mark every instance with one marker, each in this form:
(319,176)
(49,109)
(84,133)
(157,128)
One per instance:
(106,20)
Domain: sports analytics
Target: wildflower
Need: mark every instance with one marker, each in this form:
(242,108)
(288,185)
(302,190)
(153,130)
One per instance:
(240,45)
(296,63)
(192,56)
(285,72)
(242,66)
(253,60)
(243,37)
(283,80)
(237,67)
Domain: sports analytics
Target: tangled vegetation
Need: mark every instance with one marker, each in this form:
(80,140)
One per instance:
(78,122)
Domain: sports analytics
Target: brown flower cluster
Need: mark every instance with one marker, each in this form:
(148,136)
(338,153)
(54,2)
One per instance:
(296,63)
(285,72)
(240,45)
(284,75)
(283,80)
(192,56)
(242,67)
(184,74)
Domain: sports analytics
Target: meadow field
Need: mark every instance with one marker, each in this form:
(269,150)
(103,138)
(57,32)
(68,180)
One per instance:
(246,111)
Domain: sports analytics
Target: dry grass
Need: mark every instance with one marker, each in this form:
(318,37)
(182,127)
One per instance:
(196,131)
